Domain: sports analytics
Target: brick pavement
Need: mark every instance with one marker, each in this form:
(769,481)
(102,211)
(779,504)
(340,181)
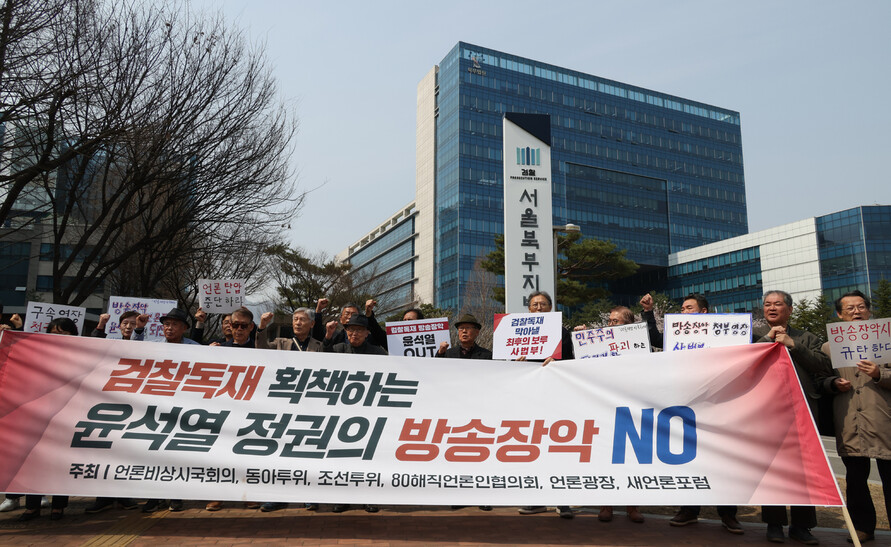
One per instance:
(235,526)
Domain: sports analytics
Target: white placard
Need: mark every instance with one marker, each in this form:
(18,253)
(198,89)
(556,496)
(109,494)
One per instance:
(220,295)
(535,336)
(854,341)
(39,314)
(528,219)
(611,341)
(417,338)
(685,331)
(153,307)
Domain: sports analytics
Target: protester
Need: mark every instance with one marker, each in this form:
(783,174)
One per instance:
(302,322)
(468,329)
(320,329)
(541,302)
(174,324)
(12,501)
(357,335)
(413,314)
(620,315)
(242,325)
(356,329)
(131,324)
(861,411)
(65,326)
(693,303)
(809,360)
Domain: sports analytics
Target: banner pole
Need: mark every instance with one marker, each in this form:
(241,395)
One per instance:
(850,526)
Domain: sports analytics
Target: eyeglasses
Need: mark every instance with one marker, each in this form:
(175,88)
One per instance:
(858,307)
(236,325)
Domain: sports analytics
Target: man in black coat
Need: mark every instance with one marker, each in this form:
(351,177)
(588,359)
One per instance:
(468,331)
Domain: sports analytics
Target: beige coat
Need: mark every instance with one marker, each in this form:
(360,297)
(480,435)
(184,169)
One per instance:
(262,342)
(863,413)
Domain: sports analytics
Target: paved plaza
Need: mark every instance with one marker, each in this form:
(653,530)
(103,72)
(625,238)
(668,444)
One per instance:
(393,525)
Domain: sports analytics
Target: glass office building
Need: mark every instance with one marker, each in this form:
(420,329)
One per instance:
(653,173)
(832,254)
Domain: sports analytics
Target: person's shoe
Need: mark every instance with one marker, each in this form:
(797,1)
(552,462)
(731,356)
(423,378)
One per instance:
(252,505)
(176,506)
(530,510)
(605,514)
(311,506)
(57,514)
(863,537)
(684,517)
(44,503)
(9,504)
(634,514)
(151,506)
(485,507)
(127,503)
(271,506)
(775,533)
(565,512)
(371,509)
(213,506)
(29,515)
(99,506)
(730,524)
(340,508)
(803,535)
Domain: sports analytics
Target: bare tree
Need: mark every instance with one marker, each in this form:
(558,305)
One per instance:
(478,300)
(180,152)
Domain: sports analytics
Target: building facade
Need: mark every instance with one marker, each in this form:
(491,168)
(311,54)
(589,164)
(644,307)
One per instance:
(652,172)
(832,254)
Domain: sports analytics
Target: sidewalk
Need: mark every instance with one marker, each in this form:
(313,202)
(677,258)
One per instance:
(394,525)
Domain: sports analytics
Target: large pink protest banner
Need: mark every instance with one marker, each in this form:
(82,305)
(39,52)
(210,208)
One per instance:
(723,426)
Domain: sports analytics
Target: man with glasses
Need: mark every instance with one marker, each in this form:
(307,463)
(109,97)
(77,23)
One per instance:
(242,325)
(861,410)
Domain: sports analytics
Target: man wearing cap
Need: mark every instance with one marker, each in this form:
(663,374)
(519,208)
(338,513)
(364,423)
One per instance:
(175,324)
(468,331)
(357,343)
(356,338)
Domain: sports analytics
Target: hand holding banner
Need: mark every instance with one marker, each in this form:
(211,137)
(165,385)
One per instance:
(685,331)
(419,338)
(611,341)
(535,336)
(221,295)
(854,341)
(153,307)
(38,315)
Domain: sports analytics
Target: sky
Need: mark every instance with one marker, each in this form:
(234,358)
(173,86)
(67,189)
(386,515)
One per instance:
(810,80)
